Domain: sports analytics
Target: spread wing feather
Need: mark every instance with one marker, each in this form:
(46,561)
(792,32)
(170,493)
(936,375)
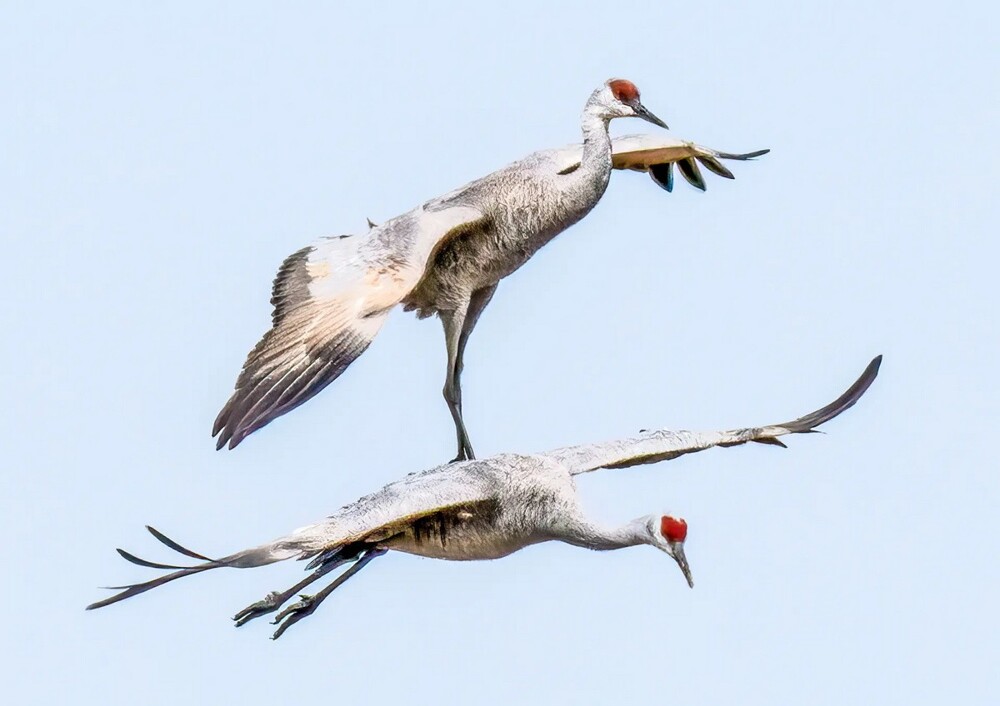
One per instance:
(655,446)
(330,300)
(657,155)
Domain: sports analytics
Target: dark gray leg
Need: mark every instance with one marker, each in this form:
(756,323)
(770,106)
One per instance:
(463,323)
(453,322)
(477,303)
(308,605)
(275,599)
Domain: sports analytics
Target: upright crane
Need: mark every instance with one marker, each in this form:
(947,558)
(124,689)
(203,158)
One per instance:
(445,257)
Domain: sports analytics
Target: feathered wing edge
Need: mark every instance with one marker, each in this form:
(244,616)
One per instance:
(315,336)
(657,156)
(662,174)
(293,363)
(655,446)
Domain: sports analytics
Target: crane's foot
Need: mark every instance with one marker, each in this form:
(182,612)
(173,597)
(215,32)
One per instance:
(269,604)
(293,614)
(465,452)
(308,605)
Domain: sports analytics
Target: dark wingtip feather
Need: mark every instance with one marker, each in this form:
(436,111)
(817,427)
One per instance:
(663,175)
(742,157)
(839,405)
(219,422)
(715,166)
(770,441)
(264,395)
(689,168)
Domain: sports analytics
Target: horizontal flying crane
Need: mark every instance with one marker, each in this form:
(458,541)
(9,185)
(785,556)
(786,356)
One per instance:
(481,509)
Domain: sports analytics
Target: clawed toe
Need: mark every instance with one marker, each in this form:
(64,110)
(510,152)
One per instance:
(300,607)
(269,604)
(293,614)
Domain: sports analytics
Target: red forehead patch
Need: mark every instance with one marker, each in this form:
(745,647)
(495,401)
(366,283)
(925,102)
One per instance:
(673,529)
(623,90)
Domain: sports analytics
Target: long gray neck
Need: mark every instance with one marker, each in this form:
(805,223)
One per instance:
(595,165)
(583,533)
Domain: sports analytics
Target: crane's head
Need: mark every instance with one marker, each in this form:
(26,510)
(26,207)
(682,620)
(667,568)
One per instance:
(620,99)
(667,533)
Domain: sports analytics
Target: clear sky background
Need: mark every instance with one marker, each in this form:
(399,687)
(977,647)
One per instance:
(159,161)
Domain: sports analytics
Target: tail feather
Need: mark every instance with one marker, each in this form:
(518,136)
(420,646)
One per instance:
(136,589)
(174,545)
(278,550)
(127,556)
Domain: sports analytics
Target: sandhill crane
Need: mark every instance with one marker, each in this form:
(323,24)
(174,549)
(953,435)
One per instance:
(445,257)
(483,509)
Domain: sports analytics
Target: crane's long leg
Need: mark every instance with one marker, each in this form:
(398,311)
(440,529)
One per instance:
(275,599)
(477,304)
(308,605)
(456,362)
(453,322)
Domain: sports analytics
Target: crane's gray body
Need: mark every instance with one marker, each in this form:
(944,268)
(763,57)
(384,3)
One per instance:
(525,205)
(488,508)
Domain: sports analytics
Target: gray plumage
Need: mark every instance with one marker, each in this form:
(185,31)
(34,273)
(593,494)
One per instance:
(445,257)
(483,509)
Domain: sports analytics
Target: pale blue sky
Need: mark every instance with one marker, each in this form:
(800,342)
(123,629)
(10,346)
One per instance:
(158,164)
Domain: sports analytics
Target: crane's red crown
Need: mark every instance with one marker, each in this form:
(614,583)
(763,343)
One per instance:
(623,90)
(673,529)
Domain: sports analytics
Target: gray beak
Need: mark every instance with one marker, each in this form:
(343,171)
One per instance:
(681,559)
(642,112)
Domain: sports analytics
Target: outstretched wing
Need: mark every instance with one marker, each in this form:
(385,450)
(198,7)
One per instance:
(654,446)
(330,300)
(657,154)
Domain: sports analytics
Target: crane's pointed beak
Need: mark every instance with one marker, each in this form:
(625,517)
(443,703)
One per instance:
(677,549)
(642,112)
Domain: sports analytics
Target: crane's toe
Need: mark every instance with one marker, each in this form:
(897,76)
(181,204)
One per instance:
(293,614)
(269,604)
